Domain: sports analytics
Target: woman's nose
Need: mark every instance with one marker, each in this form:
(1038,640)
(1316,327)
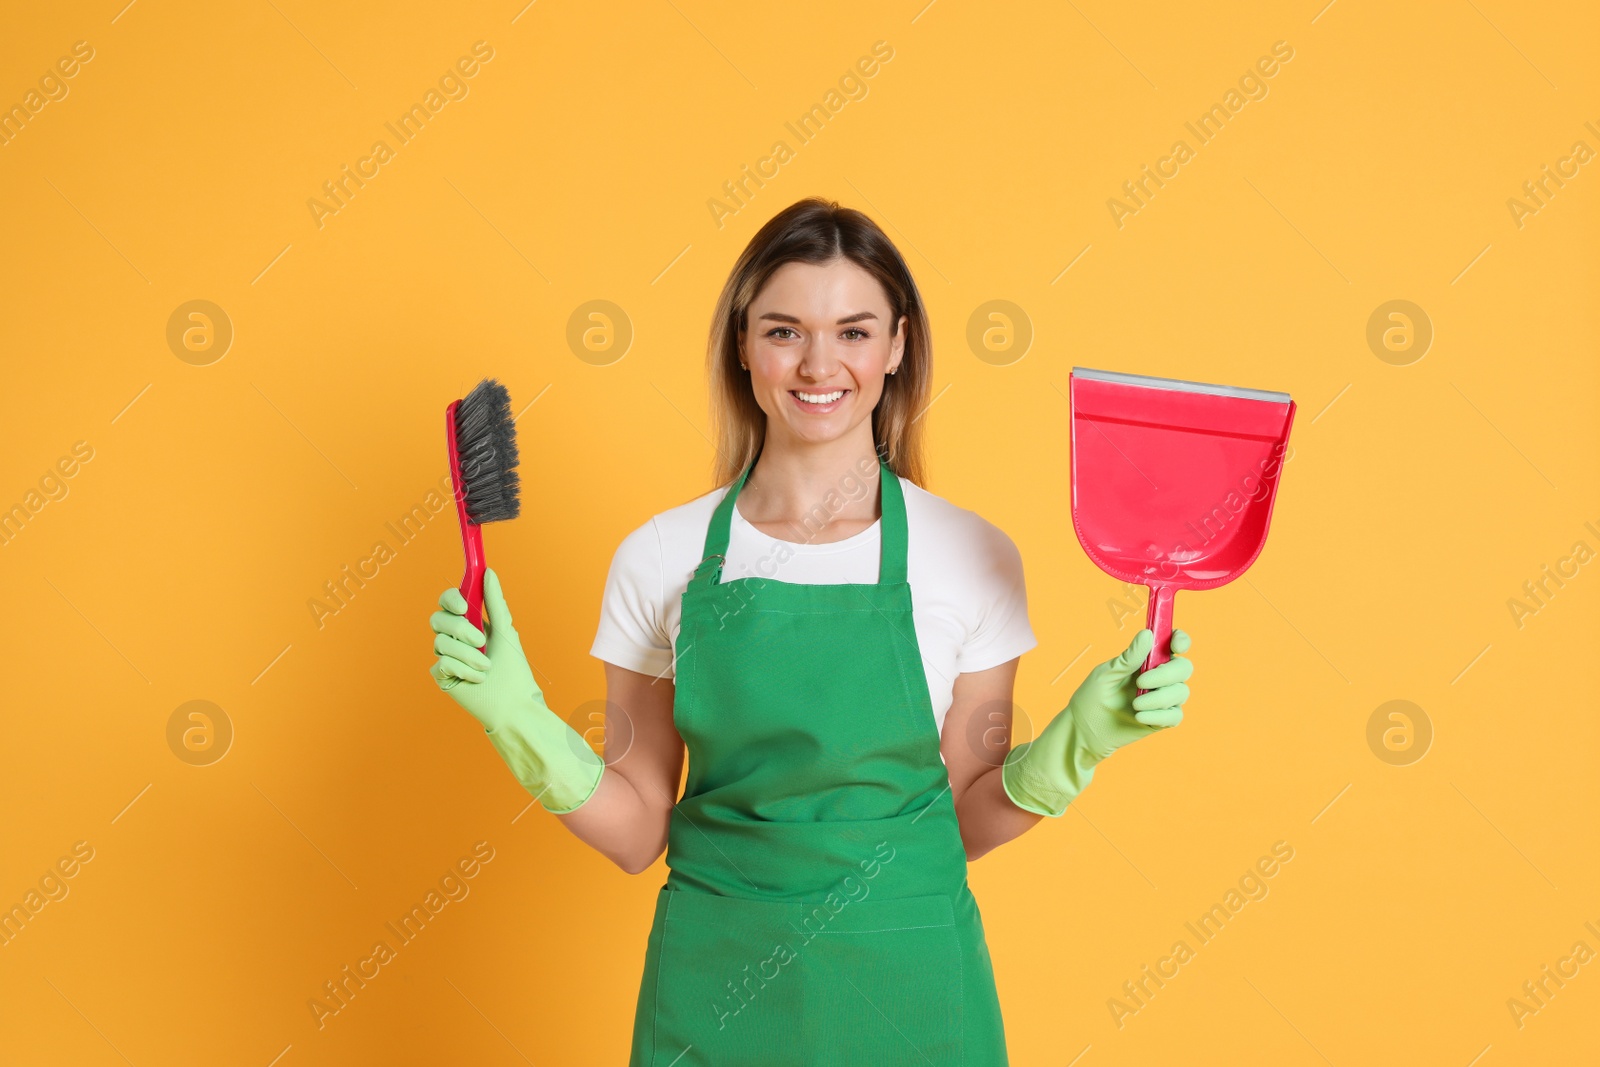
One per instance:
(819,361)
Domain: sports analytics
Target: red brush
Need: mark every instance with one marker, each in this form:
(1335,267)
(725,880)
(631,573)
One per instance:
(483,469)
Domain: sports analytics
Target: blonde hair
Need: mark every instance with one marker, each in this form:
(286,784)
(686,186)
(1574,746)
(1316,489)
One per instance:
(815,230)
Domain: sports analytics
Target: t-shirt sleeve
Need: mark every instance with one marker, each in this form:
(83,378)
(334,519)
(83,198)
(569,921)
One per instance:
(633,625)
(1002,632)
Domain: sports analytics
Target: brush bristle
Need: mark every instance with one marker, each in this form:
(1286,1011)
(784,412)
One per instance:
(486,442)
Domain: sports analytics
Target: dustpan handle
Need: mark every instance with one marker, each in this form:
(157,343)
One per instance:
(1158,619)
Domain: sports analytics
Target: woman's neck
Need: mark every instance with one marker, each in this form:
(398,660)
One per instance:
(815,493)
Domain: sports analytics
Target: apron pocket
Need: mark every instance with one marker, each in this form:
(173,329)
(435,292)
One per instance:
(883,982)
(726,992)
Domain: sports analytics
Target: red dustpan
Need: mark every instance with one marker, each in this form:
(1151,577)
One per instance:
(1173,482)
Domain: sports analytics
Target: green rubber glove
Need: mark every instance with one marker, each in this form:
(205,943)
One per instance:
(549,758)
(1045,774)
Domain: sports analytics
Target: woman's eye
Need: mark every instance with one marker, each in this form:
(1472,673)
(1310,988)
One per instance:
(857,330)
(779,329)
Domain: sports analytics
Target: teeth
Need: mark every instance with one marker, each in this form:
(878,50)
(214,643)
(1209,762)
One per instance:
(820,398)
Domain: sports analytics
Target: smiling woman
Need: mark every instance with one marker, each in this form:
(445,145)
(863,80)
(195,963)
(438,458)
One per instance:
(829,269)
(828,641)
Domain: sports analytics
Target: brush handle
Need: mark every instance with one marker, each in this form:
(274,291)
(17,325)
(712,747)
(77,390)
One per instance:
(471,534)
(1158,619)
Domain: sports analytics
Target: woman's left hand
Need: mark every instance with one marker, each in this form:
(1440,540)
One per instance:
(1106,712)
(1108,707)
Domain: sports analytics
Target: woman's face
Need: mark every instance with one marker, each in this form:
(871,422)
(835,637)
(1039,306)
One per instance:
(817,344)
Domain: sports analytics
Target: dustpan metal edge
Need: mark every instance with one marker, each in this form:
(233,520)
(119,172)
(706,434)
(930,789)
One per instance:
(1179,385)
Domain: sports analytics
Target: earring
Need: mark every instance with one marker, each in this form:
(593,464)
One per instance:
(743,367)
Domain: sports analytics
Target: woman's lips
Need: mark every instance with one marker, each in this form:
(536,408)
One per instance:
(838,396)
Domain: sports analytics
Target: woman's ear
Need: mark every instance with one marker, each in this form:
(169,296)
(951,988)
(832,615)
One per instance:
(897,348)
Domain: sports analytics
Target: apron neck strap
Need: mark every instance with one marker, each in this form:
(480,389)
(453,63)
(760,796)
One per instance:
(892,532)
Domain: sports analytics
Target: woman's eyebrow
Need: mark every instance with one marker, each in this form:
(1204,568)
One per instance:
(779,316)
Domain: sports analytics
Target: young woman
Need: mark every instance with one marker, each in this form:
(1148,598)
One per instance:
(836,647)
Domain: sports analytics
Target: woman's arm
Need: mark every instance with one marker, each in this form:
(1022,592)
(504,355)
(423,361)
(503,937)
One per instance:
(626,819)
(620,806)
(974,742)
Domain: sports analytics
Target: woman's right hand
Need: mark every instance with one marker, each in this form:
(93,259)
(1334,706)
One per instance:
(548,757)
(491,684)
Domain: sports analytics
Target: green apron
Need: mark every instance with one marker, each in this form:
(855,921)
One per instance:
(817,909)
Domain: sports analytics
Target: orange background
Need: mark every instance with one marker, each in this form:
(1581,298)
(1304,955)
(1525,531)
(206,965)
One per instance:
(226,488)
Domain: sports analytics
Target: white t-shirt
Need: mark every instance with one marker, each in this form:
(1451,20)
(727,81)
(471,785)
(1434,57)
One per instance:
(968,600)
